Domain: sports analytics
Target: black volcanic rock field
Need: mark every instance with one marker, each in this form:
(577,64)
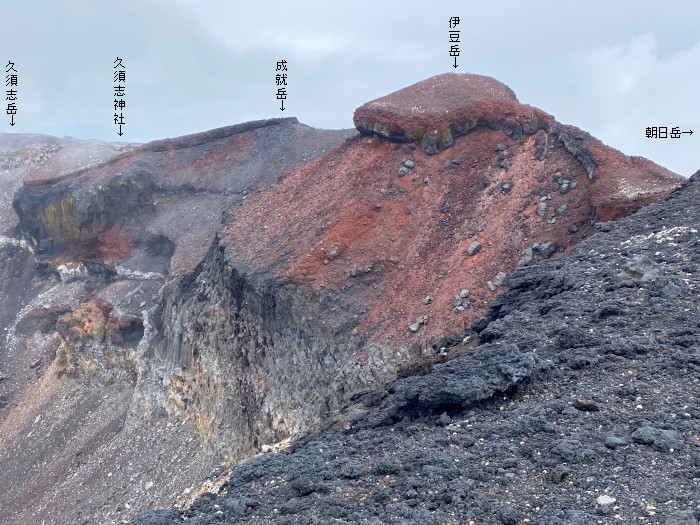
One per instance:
(461,312)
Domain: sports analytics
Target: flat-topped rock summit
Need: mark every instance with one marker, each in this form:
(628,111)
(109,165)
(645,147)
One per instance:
(435,111)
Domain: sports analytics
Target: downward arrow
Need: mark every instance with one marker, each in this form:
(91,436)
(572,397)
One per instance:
(120,130)
(455,62)
(12,120)
(282,107)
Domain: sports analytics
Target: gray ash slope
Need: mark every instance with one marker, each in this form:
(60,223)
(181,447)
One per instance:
(585,388)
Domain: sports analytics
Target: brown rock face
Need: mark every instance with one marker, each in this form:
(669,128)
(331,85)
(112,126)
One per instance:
(378,225)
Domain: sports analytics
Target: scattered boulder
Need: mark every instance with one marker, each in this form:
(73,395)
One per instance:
(541,145)
(508,515)
(605,500)
(571,451)
(526,256)
(658,439)
(415,326)
(545,249)
(642,268)
(499,279)
(613,442)
(72,271)
(474,248)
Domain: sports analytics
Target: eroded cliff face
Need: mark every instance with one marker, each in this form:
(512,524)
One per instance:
(232,289)
(252,360)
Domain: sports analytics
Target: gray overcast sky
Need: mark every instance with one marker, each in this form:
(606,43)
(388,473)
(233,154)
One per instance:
(610,68)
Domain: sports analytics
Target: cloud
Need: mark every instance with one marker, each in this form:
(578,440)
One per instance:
(630,86)
(197,65)
(622,66)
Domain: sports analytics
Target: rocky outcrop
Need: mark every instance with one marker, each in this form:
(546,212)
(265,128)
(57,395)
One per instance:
(249,359)
(108,235)
(435,111)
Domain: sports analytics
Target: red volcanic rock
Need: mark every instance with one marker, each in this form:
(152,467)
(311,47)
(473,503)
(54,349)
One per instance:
(435,111)
(374,241)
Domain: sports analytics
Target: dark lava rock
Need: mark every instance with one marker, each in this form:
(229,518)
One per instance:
(585,405)
(461,383)
(658,439)
(614,442)
(571,451)
(474,248)
(508,515)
